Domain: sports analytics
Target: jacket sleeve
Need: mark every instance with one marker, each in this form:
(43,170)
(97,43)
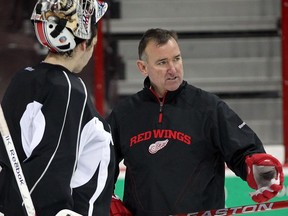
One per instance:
(235,139)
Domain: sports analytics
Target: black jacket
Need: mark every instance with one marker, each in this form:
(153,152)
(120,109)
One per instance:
(175,149)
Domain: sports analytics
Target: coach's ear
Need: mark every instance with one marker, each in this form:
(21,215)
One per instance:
(142,67)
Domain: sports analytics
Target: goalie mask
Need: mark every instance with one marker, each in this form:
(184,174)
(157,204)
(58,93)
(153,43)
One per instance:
(58,22)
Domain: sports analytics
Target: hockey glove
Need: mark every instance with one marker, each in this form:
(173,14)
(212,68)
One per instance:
(117,207)
(265,175)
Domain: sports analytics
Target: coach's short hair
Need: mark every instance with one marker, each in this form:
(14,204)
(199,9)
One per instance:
(160,36)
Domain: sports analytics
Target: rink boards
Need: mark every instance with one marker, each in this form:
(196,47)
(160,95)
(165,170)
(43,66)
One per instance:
(237,193)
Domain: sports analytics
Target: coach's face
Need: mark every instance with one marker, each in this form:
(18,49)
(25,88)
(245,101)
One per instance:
(163,64)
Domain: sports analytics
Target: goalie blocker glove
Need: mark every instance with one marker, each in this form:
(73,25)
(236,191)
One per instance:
(117,207)
(265,175)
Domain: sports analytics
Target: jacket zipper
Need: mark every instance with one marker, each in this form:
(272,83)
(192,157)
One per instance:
(161,102)
(161,111)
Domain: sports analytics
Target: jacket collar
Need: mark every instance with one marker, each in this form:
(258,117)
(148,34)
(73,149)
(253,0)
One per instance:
(169,95)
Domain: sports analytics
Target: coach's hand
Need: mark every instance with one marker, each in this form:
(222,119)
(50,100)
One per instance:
(265,175)
(117,207)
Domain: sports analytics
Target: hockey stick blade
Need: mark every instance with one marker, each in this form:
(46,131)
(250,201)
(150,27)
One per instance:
(66,212)
(15,164)
(240,209)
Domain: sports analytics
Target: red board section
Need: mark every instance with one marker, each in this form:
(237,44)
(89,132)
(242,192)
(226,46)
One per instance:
(99,82)
(285,74)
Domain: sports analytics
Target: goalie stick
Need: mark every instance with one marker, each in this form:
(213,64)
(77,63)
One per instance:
(16,167)
(240,209)
(18,173)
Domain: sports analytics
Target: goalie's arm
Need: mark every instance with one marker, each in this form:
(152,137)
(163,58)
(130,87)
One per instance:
(93,179)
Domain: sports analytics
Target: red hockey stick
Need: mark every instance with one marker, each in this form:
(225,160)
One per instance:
(240,209)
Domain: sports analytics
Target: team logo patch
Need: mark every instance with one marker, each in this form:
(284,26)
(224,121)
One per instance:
(155,147)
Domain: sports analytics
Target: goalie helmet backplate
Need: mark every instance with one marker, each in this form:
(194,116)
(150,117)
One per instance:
(58,22)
